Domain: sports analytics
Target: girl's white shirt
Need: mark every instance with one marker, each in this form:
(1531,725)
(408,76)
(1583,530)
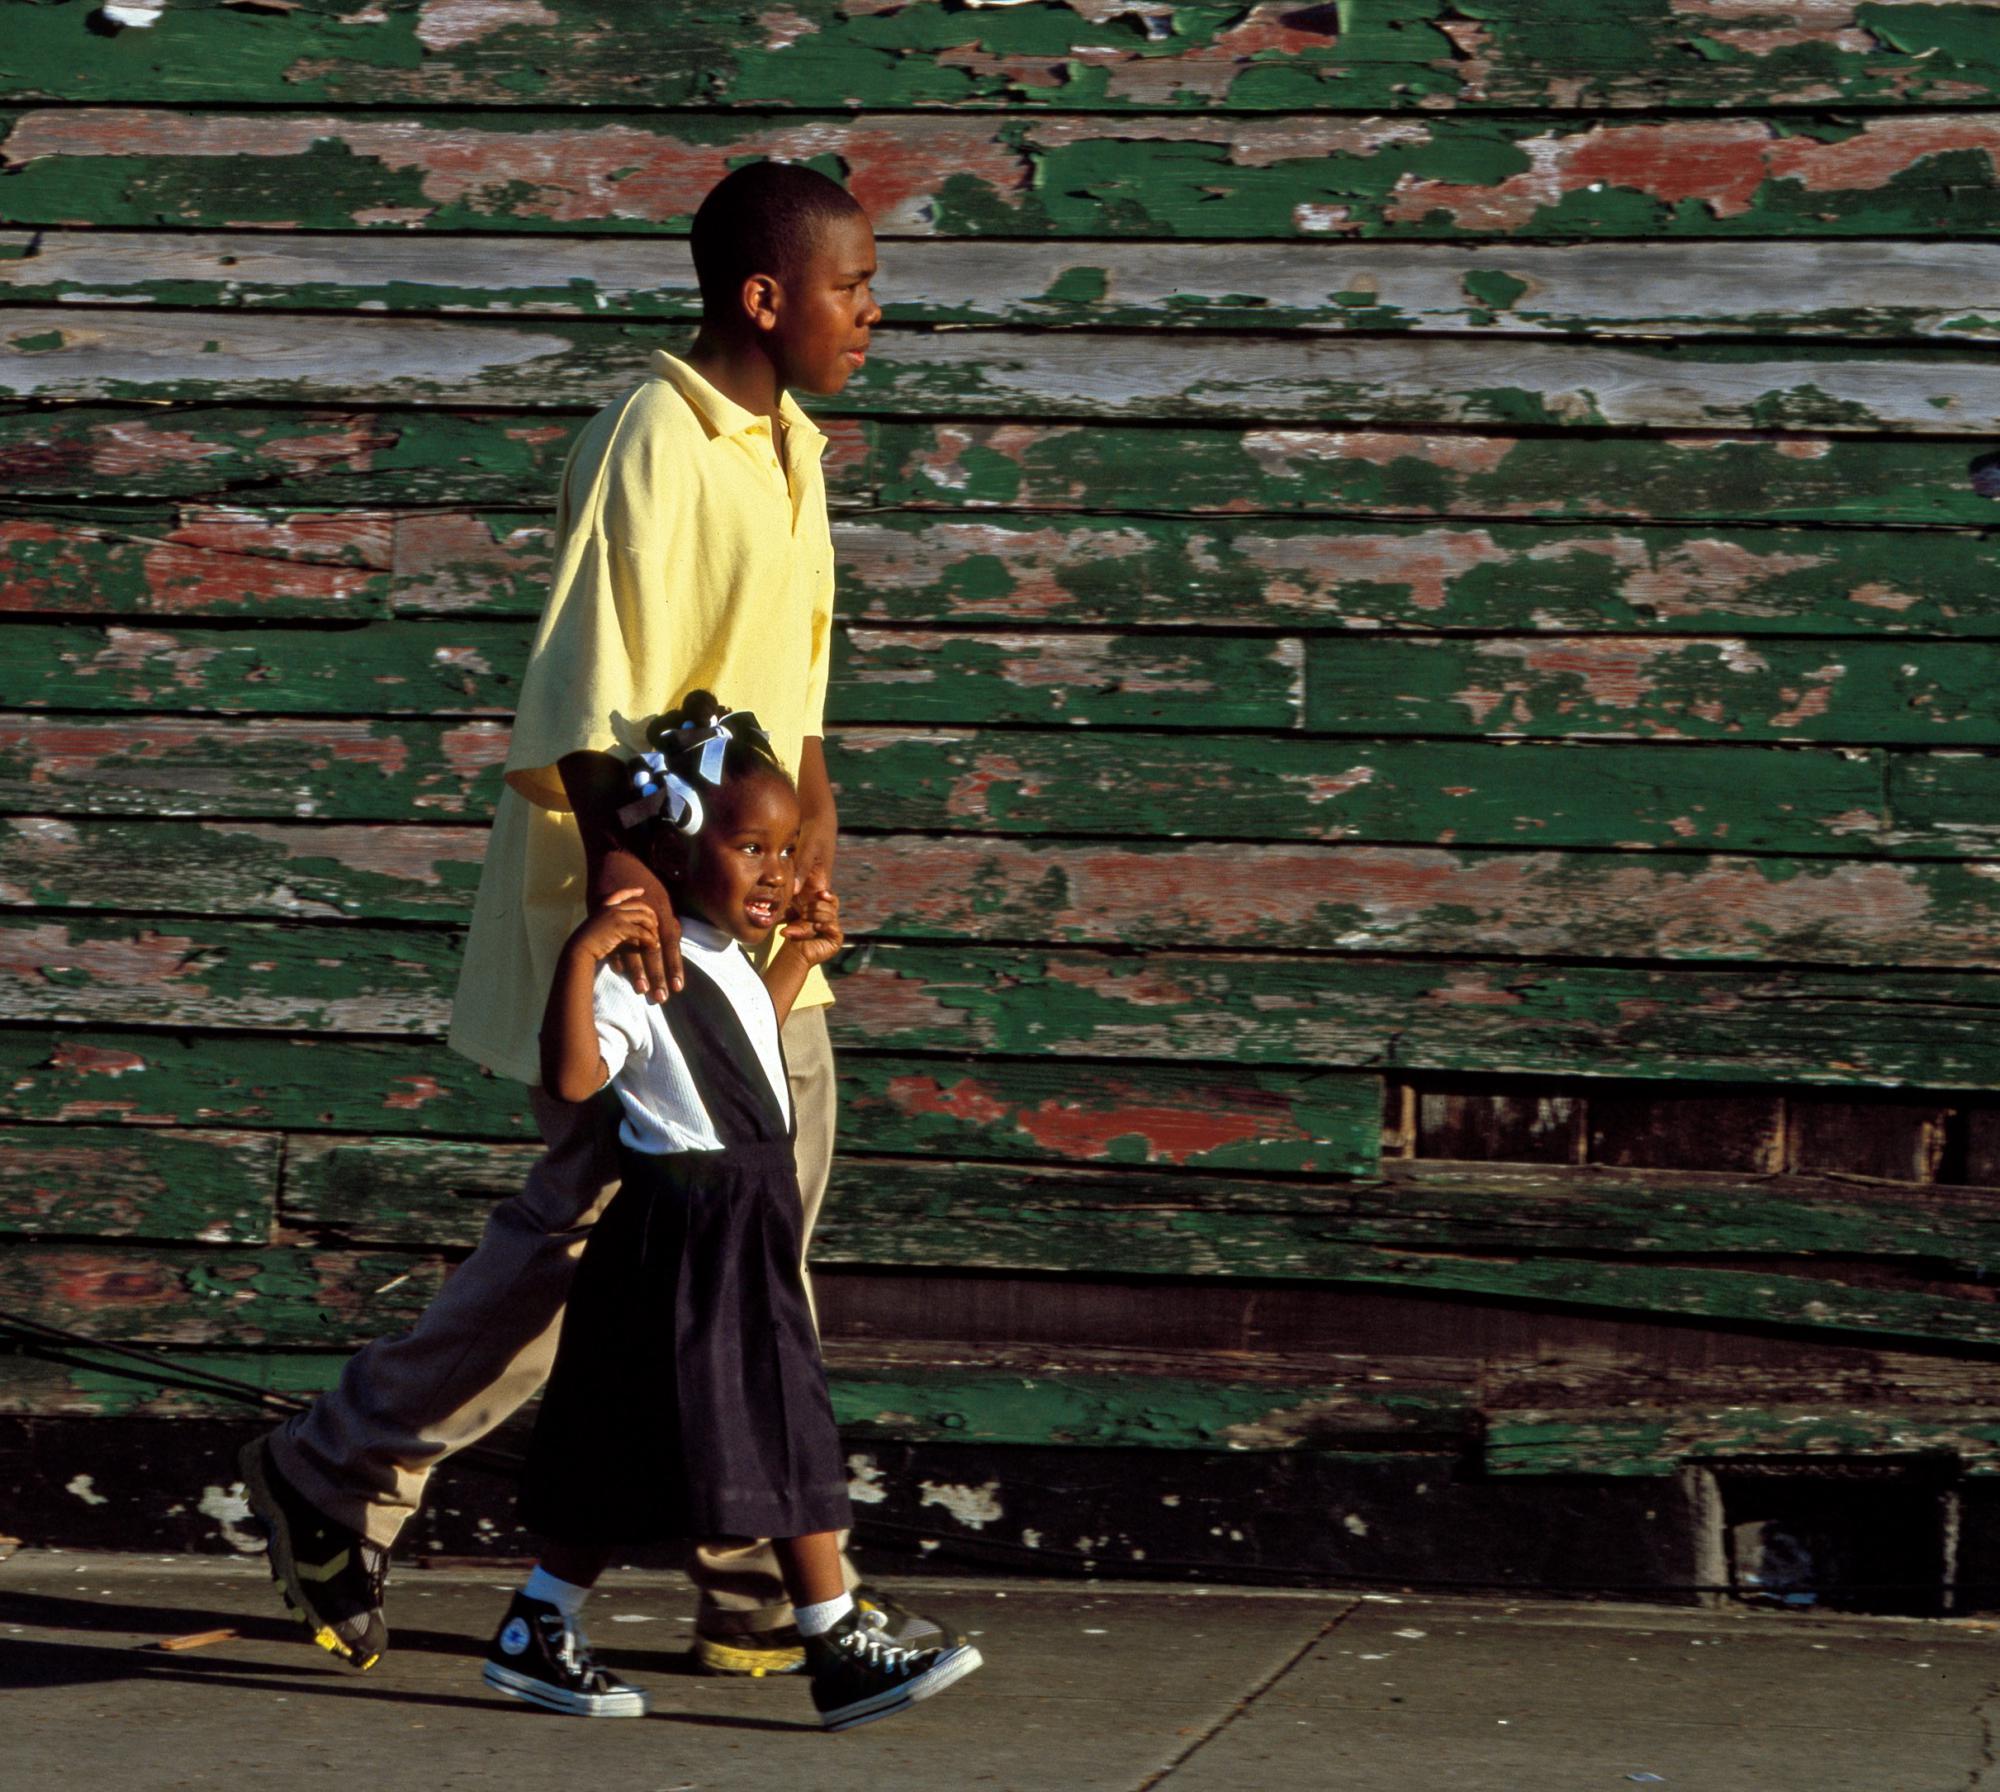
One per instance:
(649,1073)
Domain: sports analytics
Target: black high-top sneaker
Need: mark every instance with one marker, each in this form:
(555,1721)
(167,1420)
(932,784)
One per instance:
(858,1675)
(539,1656)
(331,1577)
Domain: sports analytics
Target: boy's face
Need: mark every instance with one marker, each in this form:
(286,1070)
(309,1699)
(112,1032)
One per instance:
(822,327)
(738,872)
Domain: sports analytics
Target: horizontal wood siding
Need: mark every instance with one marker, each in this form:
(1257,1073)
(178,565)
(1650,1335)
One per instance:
(1414,699)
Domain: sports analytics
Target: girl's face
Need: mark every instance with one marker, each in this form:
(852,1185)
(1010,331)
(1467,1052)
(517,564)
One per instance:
(737,873)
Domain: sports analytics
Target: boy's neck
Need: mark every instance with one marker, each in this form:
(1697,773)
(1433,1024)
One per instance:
(739,369)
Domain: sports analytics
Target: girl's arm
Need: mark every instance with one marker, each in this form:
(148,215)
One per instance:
(812,936)
(573,1067)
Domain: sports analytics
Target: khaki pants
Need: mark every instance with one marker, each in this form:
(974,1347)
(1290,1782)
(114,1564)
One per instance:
(363,1451)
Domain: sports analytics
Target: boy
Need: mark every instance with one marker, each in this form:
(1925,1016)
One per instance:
(693,551)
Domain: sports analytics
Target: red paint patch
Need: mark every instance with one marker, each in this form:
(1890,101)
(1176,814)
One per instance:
(964,1100)
(94,1060)
(1171,1135)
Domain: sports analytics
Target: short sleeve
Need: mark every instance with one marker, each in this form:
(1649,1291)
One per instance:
(605,649)
(624,1035)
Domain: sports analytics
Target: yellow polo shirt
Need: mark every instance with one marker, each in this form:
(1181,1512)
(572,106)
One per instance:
(688,557)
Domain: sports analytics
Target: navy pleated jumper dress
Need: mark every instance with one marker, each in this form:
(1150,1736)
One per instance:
(688,1399)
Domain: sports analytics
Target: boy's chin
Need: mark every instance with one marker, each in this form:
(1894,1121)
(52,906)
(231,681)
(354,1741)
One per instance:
(822,382)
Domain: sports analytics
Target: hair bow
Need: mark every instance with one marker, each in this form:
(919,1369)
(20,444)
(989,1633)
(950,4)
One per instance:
(658,788)
(655,790)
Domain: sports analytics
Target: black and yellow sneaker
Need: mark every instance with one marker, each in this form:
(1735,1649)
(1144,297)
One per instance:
(541,1658)
(858,1675)
(750,1654)
(754,1654)
(331,1577)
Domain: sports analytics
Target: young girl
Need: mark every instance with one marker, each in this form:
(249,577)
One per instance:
(687,1398)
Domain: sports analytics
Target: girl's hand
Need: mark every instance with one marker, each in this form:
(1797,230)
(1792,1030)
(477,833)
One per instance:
(812,925)
(626,919)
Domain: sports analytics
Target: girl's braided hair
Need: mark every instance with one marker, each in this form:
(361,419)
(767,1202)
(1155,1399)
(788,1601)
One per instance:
(694,745)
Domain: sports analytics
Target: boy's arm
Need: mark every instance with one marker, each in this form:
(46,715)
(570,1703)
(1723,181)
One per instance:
(812,936)
(598,786)
(819,823)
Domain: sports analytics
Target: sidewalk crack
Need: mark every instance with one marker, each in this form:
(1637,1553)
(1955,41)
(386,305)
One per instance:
(1160,1775)
(1983,1710)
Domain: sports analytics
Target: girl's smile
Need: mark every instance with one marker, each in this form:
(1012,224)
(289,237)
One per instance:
(738,873)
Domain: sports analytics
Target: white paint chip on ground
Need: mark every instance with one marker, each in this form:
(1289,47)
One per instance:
(83,1488)
(1410,1635)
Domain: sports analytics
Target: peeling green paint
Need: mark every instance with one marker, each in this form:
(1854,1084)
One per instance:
(1440,175)
(1494,288)
(816,53)
(414,457)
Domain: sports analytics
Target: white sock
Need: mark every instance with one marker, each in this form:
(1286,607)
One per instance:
(565,1596)
(817,1620)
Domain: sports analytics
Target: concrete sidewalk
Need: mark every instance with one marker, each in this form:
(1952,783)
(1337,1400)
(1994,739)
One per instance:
(1115,1687)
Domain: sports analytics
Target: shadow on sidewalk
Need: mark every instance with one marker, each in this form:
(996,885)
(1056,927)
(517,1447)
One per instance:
(43,1664)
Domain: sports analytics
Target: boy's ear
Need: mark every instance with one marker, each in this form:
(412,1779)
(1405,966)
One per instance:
(762,299)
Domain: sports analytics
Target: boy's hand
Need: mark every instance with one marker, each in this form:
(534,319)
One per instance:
(812,924)
(652,966)
(625,925)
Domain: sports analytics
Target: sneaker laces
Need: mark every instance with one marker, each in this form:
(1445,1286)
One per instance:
(571,1648)
(375,1570)
(879,1652)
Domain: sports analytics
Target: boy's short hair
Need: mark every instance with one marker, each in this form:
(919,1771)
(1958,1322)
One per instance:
(762,219)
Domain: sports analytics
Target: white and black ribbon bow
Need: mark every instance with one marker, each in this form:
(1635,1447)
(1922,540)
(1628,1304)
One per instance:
(656,788)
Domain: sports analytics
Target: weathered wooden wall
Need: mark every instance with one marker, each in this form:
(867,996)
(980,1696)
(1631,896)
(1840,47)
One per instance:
(1416,719)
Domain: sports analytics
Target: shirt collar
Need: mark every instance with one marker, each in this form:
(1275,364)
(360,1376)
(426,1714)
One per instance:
(721,415)
(705,937)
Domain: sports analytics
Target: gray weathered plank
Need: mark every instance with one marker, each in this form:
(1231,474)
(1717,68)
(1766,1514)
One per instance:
(1240,1118)
(1310,899)
(326,1297)
(1025,570)
(467,667)
(62,353)
(1692,798)
(1942,291)
(1896,693)
(1929,1029)
(377,459)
